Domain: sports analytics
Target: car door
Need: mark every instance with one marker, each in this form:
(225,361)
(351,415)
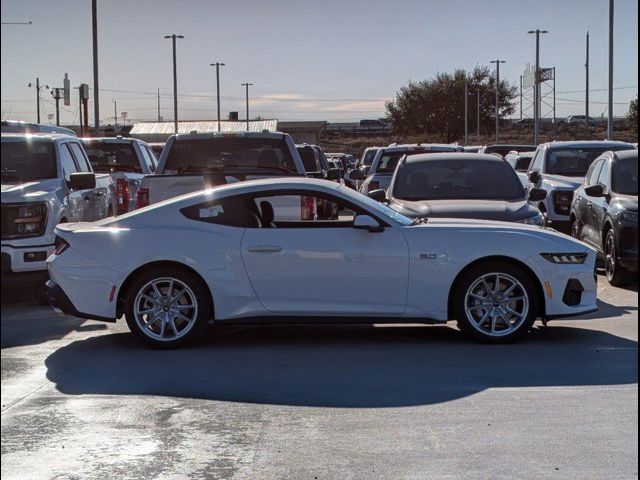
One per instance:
(75,199)
(291,263)
(96,199)
(600,205)
(587,218)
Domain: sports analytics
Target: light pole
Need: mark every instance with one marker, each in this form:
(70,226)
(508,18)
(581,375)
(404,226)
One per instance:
(96,101)
(217,65)
(115,114)
(586,86)
(478,114)
(247,85)
(38,88)
(497,62)
(610,101)
(57,94)
(173,38)
(536,87)
(466,112)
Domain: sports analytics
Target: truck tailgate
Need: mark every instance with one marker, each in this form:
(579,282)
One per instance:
(162,187)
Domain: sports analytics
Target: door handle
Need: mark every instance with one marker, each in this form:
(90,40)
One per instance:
(100,194)
(87,197)
(265,249)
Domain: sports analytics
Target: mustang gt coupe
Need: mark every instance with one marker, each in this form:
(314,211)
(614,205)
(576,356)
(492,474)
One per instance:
(248,252)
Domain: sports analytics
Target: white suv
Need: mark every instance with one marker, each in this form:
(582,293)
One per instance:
(559,168)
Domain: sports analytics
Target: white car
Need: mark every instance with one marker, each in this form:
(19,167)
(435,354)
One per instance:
(226,254)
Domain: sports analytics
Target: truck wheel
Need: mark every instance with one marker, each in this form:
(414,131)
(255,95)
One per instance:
(495,302)
(166,307)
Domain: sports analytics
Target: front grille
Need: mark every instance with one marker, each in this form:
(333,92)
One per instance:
(10,213)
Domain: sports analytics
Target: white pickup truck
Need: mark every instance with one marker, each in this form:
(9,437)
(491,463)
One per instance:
(197,161)
(127,160)
(46,180)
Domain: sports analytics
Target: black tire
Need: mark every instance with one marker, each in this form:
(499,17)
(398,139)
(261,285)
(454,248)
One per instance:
(576,228)
(616,274)
(40,293)
(526,283)
(201,296)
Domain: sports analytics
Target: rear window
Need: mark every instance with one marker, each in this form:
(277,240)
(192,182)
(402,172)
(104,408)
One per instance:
(230,154)
(457,179)
(575,161)
(27,161)
(106,157)
(522,163)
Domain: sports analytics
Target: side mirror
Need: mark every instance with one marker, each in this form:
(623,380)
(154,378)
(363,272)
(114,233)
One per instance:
(333,174)
(82,181)
(594,191)
(537,194)
(356,175)
(378,195)
(365,222)
(534,176)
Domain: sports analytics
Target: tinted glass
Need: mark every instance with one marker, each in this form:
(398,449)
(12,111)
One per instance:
(368,157)
(80,157)
(625,176)
(575,161)
(67,162)
(308,157)
(230,153)
(522,164)
(457,179)
(108,157)
(27,161)
(594,172)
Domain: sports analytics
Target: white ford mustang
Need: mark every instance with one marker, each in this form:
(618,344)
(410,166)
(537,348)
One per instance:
(256,252)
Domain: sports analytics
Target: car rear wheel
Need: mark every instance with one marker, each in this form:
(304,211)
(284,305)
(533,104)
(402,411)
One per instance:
(167,307)
(616,275)
(495,302)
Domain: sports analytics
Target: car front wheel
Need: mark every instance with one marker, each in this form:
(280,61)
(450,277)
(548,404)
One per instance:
(495,302)
(167,307)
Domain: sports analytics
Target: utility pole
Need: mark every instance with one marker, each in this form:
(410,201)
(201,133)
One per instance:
(247,85)
(554,95)
(520,97)
(466,112)
(610,102)
(57,93)
(497,108)
(536,86)
(217,65)
(115,114)
(173,38)
(158,104)
(38,87)
(96,98)
(478,113)
(586,89)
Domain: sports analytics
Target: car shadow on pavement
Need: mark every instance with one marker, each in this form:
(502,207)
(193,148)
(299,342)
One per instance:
(341,366)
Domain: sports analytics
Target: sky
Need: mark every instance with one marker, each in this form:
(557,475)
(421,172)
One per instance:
(307,60)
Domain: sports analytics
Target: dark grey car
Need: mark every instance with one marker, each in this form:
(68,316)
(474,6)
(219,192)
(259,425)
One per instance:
(460,185)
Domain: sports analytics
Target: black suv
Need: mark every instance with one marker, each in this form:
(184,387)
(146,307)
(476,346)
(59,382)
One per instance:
(604,212)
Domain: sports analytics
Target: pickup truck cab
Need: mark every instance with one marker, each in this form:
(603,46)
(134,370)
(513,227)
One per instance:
(46,180)
(560,168)
(127,160)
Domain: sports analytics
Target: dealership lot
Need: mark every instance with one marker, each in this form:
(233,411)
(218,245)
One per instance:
(88,401)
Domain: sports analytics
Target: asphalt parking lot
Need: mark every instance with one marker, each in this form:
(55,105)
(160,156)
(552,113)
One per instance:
(81,399)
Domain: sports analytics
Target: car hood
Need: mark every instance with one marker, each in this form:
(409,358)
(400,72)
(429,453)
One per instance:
(627,202)
(479,209)
(28,191)
(560,181)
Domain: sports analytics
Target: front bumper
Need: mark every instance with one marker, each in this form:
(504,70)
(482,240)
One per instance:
(62,305)
(18,258)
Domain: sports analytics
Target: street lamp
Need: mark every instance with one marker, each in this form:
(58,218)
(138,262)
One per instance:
(247,85)
(497,62)
(536,86)
(173,38)
(217,65)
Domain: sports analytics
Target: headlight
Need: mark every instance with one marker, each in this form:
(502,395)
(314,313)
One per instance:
(630,216)
(562,201)
(537,219)
(24,220)
(565,258)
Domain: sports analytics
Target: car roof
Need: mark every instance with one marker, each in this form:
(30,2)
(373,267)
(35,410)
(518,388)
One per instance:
(586,143)
(452,156)
(117,139)
(52,137)
(409,146)
(624,154)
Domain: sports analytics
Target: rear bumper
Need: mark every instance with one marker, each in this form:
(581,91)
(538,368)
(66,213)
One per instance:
(61,303)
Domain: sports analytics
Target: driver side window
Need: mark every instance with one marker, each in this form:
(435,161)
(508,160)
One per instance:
(536,163)
(593,173)
(67,162)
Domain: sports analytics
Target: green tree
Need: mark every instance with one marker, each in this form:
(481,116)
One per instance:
(436,106)
(632,115)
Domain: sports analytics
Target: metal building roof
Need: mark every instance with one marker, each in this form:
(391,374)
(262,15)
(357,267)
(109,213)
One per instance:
(166,129)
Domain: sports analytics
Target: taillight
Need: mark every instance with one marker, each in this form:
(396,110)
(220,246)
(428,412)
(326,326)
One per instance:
(308,208)
(142,197)
(60,246)
(122,195)
(373,186)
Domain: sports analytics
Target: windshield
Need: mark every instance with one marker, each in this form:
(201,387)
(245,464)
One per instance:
(28,161)
(106,157)
(359,198)
(625,176)
(308,157)
(229,153)
(575,161)
(457,179)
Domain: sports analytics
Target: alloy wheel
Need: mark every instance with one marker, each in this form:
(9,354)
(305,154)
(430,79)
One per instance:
(610,259)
